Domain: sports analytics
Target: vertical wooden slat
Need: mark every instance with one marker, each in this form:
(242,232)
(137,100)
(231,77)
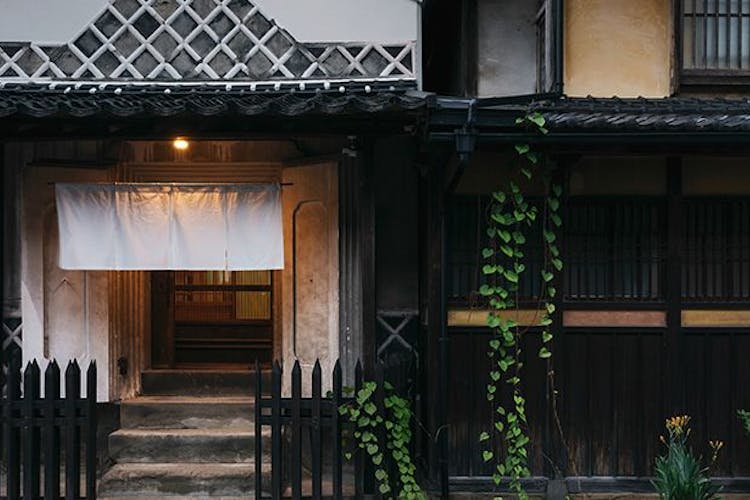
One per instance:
(359,464)
(51,432)
(91,424)
(317,452)
(258,432)
(12,438)
(31,466)
(739,34)
(276,431)
(72,432)
(705,34)
(296,458)
(338,490)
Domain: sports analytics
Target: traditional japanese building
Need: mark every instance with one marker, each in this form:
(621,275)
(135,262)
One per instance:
(117,116)
(193,185)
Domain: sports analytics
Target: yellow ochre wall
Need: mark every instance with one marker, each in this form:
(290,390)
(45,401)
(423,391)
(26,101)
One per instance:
(618,47)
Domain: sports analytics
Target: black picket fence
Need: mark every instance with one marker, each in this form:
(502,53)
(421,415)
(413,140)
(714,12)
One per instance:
(310,439)
(43,433)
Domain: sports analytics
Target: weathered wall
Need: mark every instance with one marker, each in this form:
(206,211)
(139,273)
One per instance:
(65,313)
(618,47)
(506,47)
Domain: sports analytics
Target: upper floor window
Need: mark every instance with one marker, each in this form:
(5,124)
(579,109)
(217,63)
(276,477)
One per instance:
(715,41)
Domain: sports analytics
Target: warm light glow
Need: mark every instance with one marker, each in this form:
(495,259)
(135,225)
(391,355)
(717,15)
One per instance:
(181,144)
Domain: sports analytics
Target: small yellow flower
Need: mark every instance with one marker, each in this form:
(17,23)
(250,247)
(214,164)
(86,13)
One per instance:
(678,425)
(715,446)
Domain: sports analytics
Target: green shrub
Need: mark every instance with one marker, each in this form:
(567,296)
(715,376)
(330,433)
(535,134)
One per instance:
(679,474)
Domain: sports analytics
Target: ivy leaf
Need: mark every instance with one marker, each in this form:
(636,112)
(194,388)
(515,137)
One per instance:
(495,344)
(497,478)
(557,263)
(491,389)
(526,173)
(484,436)
(499,196)
(486,290)
(550,307)
(523,148)
(493,321)
(519,238)
(537,119)
(499,426)
(507,250)
(504,235)
(556,220)
(372,448)
(489,269)
(511,276)
(552,291)
(554,204)
(487,455)
(547,276)
(384,488)
(519,267)
(495,375)
(377,459)
(546,336)
(549,236)
(491,231)
(532,157)
(380,474)
(544,353)
(557,189)
(348,455)
(514,188)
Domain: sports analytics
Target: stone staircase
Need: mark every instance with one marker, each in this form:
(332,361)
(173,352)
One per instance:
(190,434)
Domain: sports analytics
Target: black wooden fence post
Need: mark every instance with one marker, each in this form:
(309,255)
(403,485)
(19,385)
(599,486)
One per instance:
(31,472)
(258,432)
(72,432)
(317,457)
(296,458)
(91,431)
(276,431)
(51,432)
(338,489)
(12,432)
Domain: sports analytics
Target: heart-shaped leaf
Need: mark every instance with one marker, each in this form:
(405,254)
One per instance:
(487,455)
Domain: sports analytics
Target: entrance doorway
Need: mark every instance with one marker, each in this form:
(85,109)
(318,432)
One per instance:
(212,319)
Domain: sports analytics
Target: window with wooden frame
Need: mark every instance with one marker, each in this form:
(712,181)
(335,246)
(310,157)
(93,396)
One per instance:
(714,42)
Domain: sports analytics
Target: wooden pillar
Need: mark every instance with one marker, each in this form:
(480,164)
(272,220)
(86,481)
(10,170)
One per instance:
(673,342)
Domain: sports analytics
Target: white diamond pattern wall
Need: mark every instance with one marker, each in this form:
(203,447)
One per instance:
(198,40)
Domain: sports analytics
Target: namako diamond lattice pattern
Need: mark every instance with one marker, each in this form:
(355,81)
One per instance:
(198,40)
(10,343)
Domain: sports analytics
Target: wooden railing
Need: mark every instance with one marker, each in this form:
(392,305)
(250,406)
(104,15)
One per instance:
(34,424)
(295,420)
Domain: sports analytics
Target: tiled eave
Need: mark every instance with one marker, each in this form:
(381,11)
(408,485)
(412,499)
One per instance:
(80,100)
(582,119)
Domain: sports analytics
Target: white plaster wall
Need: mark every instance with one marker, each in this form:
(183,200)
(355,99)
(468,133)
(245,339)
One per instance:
(311,317)
(58,21)
(65,313)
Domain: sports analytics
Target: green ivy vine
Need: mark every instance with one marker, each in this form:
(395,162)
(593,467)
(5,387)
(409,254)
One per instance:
(511,218)
(392,420)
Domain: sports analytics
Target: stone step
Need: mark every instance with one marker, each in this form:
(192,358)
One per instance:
(183,479)
(201,382)
(183,445)
(178,412)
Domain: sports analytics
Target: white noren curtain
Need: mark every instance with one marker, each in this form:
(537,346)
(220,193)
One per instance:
(170,226)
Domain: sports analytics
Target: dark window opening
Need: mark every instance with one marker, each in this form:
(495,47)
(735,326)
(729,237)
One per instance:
(715,40)
(716,250)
